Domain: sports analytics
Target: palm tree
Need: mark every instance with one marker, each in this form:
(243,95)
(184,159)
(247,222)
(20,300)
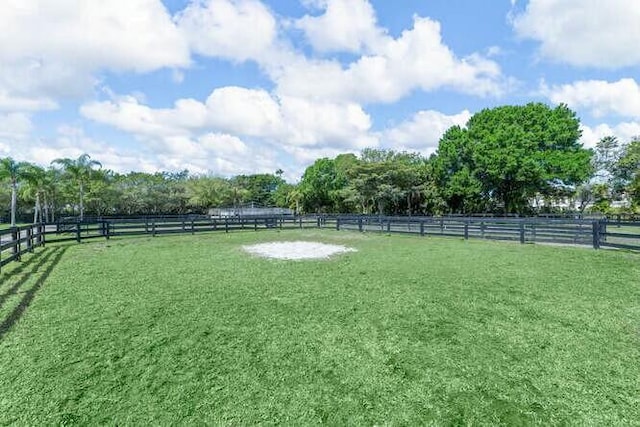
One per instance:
(79,170)
(13,171)
(36,179)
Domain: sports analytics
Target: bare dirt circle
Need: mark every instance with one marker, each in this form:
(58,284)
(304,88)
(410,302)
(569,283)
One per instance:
(296,250)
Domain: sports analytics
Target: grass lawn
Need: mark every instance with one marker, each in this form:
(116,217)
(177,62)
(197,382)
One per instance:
(7,226)
(632,234)
(406,331)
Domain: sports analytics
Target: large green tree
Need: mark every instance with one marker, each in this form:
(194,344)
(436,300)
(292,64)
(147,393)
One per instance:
(454,170)
(507,155)
(387,181)
(319,186)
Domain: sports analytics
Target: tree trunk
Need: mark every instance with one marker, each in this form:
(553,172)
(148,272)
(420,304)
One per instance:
(14,202)
(81,201)
(37,210)
(46,208)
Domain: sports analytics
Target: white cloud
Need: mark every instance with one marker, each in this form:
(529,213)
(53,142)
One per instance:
(584,32)
(220,154)
(15,127)
(237,130)
(423,131)
(21,103)
(71,142)
(128,114)
(138,36)
(416,60)
(251,112)
(345,25)
(51,50)
(624,131)
(227,145)
(327,124)
(243,112)
(600,97)
(217,153)
(233,29)
(389,70)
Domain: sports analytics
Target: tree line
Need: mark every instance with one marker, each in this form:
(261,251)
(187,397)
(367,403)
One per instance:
(77,187)
(506,160)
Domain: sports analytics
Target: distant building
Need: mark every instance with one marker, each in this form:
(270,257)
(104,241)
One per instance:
(249,209)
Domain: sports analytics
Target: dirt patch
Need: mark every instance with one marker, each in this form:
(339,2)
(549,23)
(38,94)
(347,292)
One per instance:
(296,250)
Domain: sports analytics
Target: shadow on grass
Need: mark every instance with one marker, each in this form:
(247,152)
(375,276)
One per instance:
(30,269)
(22,273)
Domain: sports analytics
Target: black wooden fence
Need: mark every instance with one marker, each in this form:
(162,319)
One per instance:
(16,241)
(599,233)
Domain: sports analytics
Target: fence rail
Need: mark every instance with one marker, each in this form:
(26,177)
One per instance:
(620,235)
(599,233)
(16,241)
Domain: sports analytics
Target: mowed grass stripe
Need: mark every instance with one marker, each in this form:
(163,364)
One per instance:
(190,329)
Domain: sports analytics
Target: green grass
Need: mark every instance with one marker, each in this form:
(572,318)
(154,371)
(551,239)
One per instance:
(632,235)
(406,331)
(7,226)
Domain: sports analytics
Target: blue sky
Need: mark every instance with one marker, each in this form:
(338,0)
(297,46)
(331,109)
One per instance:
(248,86)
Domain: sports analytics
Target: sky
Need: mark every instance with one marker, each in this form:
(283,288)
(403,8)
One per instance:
(227,87)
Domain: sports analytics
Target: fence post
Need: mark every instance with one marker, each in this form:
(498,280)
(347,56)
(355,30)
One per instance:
(30,239)
(421,228)
(78,232)
(466,229)
(15,236)
(37,235)
(388,226)
(360,224)
(533,232)
(41,232)
(338,223)
(107,231)
(255,224)
(193,229)
(153,227)
(596,234)
(522,231)
(318,222)
(226,224)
